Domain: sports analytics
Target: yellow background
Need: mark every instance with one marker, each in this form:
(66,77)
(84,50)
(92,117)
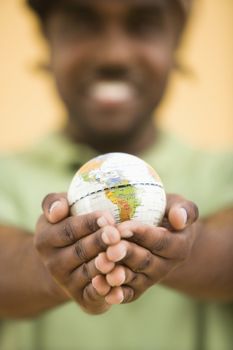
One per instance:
(198,106)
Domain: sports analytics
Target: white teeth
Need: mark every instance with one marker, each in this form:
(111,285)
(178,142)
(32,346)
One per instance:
(114,91)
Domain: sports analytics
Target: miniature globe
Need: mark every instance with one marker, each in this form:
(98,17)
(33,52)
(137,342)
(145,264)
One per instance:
(120,183)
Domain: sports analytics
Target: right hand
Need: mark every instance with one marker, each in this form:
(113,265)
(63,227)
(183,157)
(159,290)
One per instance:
(68,246)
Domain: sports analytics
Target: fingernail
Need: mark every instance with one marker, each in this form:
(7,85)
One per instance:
(94,280)
(110,235)
(126,234)
(184,215)
(119,300)
(97,262)
(102,264)
(54,205)
(122,279)
(111,279)
(121,253)
(102,221)
(105,238)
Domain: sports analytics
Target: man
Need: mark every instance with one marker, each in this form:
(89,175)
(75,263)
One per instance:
(111,62)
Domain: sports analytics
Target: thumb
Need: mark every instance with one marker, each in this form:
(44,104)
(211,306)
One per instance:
(180,212)
(55,207)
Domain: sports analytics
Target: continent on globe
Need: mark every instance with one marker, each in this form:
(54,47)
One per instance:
(121,183)
(126,200)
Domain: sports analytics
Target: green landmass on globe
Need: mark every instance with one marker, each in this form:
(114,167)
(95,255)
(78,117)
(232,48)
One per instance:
(120,183)
(123,195)
(126,200)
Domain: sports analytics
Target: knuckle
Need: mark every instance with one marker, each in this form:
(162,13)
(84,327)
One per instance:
(68,232)
(98,242)
(134,278)
(161,244)
(91,222)
(145,263)
(85,272)
(139,239)
(80,251)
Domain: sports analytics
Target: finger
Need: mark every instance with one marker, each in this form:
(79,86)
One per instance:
(55,207)
(178,217)
(73,229)
(115,296)
(119,295)
(106,219)
(100,284)
(87,248)
(68,274)
(117,276)
(124,277)
(140,260)
(62,261)
(180,212)
(103,264)
(158,240)
(93,300)
(129,294)
(84,274)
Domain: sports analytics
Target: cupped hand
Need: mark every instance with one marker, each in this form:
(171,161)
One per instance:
(147,254)
(68,246)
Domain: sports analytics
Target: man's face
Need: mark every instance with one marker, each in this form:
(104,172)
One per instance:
(111,61)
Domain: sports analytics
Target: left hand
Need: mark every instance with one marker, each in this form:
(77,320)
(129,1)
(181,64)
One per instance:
(147,254)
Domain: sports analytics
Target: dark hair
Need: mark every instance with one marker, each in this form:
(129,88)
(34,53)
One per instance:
(42,7)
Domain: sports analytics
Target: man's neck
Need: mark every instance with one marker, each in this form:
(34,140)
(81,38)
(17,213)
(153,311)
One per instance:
(136,143)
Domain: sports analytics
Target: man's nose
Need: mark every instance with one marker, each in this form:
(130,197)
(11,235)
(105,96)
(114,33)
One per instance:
(115,49)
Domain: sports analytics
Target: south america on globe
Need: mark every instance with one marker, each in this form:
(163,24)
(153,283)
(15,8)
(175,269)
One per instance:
(120,183)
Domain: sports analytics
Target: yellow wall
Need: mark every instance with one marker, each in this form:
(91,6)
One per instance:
(199,106)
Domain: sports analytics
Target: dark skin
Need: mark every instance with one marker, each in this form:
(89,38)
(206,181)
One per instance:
(126,48)
(97,42)
(83,253)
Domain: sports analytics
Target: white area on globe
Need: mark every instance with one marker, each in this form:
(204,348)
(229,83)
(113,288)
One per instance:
(120,183)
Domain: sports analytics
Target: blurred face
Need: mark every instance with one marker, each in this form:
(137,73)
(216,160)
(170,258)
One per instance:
(111,61)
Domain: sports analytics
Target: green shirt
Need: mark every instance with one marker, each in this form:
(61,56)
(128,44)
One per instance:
(162,319)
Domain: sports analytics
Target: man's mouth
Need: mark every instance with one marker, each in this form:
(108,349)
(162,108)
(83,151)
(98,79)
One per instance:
(111,93)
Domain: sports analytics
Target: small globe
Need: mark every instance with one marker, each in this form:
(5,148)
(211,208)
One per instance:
(120,183)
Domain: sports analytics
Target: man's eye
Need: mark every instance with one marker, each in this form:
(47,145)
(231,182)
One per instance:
(78,24)
(147,24)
